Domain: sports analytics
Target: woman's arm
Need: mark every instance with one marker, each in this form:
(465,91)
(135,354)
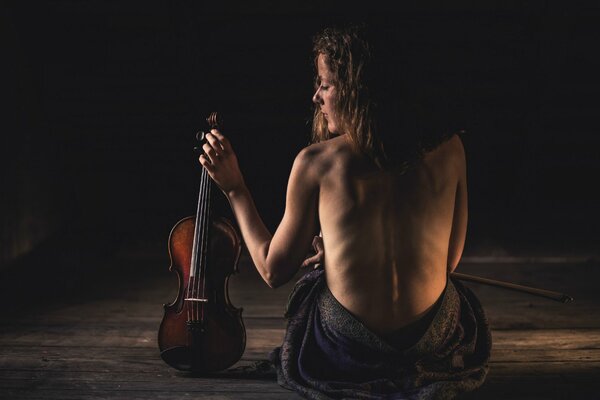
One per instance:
(276,257)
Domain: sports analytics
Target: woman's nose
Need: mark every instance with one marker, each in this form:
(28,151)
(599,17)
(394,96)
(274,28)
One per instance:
(316,97)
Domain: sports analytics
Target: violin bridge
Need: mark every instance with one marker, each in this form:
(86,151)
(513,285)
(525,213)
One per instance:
(196,300)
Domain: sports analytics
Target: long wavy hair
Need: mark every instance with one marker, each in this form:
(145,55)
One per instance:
(377,108)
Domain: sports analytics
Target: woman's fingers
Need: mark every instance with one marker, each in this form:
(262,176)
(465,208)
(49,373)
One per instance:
(222,140)
(314,260)
(206,163)
(214,142)
(210,152)
(220,162)
(216,145)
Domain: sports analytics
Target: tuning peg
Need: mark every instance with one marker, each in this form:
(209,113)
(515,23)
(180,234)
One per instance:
(214,120)
(201,138)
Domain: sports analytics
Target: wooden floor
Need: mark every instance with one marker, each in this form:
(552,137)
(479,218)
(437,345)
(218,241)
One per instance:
(99,341)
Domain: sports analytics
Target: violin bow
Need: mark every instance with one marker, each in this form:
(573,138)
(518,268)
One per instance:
(548,294)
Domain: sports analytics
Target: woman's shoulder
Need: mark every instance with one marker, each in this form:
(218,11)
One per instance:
(455,149)
(319,158)
(326,150)
(451,146)
(449,154)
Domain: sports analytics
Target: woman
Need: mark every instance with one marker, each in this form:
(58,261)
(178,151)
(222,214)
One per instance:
(381,318)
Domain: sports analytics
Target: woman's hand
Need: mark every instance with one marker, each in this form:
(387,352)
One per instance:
(316,260)
(221,163)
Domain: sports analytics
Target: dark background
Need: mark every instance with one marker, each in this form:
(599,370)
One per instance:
(104,99)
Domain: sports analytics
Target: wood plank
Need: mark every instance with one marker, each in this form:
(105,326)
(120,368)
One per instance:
(33,360)
(266,393)
(501,372)
(94,337)
(543,381)
(547,339)
(183,385)
(528,355)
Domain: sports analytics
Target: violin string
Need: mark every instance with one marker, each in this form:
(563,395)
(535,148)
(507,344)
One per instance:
(204,242)
(206,230)
(202,253)
(197,231)
(206,238)
(200,250)
(193,262)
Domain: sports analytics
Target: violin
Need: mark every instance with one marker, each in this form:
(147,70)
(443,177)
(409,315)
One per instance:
(201,331)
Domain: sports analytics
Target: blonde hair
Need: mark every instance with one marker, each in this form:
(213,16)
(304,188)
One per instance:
(380,112)
(347,55)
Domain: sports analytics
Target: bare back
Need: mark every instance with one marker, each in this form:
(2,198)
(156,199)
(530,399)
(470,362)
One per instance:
(387,237)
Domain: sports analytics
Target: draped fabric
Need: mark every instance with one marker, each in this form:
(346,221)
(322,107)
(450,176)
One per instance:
(328,354)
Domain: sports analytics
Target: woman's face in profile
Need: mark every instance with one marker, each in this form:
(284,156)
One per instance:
(325,94)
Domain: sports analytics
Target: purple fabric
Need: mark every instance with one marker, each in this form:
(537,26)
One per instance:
(329,354)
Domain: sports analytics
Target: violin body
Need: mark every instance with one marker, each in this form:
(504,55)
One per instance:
(207,335)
